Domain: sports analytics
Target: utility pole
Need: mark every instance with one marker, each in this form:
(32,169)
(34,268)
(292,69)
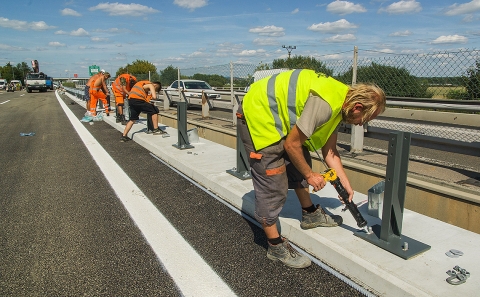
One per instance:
(289,49)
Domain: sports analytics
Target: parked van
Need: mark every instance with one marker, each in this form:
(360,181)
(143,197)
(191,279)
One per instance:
(3,84)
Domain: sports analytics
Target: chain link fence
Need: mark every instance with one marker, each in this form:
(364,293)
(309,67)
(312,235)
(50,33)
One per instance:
(439,75)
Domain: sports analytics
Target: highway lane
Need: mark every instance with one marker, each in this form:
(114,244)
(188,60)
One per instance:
(65,231)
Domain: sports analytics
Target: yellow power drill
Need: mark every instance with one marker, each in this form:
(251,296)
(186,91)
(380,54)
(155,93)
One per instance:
(330,175)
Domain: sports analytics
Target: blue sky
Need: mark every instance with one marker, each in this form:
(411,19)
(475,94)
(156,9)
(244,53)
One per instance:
(68,36)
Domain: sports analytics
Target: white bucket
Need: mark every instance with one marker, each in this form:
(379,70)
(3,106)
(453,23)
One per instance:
(193,135)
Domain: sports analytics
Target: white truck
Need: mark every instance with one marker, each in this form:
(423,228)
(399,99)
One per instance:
(36,81)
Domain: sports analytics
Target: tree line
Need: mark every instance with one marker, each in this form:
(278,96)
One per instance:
(395,81)
(18,72)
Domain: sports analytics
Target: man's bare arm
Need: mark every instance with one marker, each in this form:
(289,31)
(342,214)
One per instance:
(293,147)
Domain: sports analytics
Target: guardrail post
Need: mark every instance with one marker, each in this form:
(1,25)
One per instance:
(166,100)
(356,139)
(389,235)
(242,171)
(183,142)
(205,105)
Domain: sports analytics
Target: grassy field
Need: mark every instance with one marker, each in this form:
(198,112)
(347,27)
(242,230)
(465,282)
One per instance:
(441,91)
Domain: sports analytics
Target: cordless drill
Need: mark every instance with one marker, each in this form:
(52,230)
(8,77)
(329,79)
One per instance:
(330,175)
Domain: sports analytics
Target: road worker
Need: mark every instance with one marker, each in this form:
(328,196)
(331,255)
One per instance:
(121,87)
(281,119)
(86,94)
(99,90)
(139,101)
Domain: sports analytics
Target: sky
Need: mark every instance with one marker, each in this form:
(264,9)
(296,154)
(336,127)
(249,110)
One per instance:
(66,37)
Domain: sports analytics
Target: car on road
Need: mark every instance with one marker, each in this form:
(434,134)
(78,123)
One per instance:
(192,88)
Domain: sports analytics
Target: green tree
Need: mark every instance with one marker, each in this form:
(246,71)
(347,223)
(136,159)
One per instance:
(395,81)
(22,69)
(140,69)
(168,75)
(472,82)
(263,66)
(214,80)
(302,62)
(8,72)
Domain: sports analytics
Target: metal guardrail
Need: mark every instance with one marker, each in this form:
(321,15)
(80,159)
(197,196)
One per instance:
(461,134)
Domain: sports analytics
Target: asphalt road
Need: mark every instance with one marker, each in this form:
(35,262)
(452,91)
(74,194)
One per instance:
(64,231)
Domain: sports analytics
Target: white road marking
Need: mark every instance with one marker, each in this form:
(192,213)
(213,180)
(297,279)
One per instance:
(191,274)
(5,102)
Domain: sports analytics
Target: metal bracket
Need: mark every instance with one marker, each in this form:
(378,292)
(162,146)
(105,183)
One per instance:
(389,235)
(242,171)
(457,278)
(183,142)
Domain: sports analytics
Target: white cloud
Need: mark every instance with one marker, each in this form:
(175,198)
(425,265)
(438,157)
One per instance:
(295,11)
(56,44)
(79,32)
(228,48)
(271,31)
(401,33)
(7,47)
(99,39)
(23,25)
(265,41)
(335,27)
(113,30)
(250,53)
(402,7)
(83,47)
(465,8)
(450,39)
(344,7)
(40,26)
(191,4)
(119,9)
(69,12)
(341,38)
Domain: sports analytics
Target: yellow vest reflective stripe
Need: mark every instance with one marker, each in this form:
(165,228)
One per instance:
(273,105)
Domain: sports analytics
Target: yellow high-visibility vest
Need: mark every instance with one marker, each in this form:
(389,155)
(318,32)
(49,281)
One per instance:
(273,104)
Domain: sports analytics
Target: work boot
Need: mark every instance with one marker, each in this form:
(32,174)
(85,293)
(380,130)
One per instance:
(118,119)
(158,131)
(123,120)
(319,218)
(286,254)
(125,138)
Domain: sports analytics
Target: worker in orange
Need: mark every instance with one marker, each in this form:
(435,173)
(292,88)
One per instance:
(86,93)
(121,87)
(99,90)
(139,102)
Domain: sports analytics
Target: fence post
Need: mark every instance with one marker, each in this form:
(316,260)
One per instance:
(356,137)
(232,97)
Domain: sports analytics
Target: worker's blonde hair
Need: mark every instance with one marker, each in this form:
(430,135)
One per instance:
(370,96)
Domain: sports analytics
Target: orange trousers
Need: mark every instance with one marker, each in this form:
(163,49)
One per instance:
(118,98)
(94,96)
